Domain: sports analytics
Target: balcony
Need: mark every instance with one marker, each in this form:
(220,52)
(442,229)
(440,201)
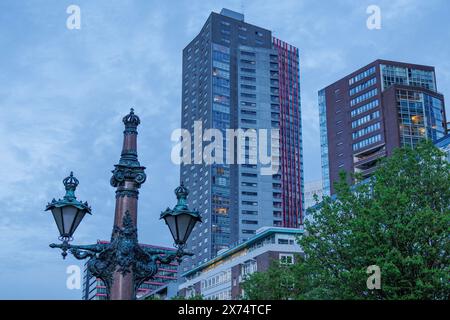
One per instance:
(366,172)
(369,150)
(367,160)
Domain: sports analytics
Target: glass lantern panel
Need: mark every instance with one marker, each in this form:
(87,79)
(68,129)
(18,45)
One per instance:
(184,222)
(57,215)
(68,216)
(79,216)
(171,223)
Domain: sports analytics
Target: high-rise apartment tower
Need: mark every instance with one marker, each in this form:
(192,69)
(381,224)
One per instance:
(237,76)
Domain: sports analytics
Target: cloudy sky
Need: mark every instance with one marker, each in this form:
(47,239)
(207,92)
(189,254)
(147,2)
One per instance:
(63,93)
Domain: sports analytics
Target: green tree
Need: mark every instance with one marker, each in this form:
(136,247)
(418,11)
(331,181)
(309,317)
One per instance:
(278,282)
(399,220)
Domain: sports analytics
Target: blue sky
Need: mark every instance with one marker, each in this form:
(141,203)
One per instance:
(63,94)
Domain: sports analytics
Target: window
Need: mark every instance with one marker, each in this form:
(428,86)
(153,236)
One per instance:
(366,130)
(249,184)
(362,75)
(286,258)
(248,104)
(248,70)
(250,212)
(252,62)
(365,119)
(277,214)
(364,96)
(221,99)
(413,77)
(248,112)
(248,95)
(251,79)
(366,107)
(363,86)
(249,222)
(248,87)
(221,65)
(276,204)
(217,72)
(366,142)
(248,54)
(221,56)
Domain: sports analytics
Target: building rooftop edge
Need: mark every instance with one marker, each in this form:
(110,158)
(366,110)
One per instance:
(265,231)
(376,62)
(232,14)
(219,14)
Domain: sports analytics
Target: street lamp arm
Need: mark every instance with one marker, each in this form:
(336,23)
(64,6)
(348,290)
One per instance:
(153,251)
(79,251)
(95,248)
(82,254)
(168,258)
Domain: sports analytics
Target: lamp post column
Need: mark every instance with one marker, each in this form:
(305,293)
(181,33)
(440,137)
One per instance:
(128,176)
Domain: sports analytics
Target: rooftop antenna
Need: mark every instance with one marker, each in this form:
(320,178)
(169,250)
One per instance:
(242,7)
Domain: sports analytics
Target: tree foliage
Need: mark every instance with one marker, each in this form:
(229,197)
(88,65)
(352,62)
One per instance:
(279,282)
(398,220)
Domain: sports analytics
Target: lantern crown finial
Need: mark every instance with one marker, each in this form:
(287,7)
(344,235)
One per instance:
(181,191)
(131,120)
(70,183)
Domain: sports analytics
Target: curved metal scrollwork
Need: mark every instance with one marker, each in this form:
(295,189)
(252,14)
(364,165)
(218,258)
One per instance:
(123,252)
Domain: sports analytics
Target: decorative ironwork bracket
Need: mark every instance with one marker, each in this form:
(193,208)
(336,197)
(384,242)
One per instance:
(123,254)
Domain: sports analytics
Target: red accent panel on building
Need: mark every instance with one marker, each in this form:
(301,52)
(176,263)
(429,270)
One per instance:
(290,133)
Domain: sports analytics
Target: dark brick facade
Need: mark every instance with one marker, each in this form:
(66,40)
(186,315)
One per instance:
(341,155)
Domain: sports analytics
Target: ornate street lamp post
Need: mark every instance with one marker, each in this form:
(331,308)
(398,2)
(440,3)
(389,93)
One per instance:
(123,265)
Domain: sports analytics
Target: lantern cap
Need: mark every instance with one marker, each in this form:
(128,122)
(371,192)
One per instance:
(181,207)
(70,184)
